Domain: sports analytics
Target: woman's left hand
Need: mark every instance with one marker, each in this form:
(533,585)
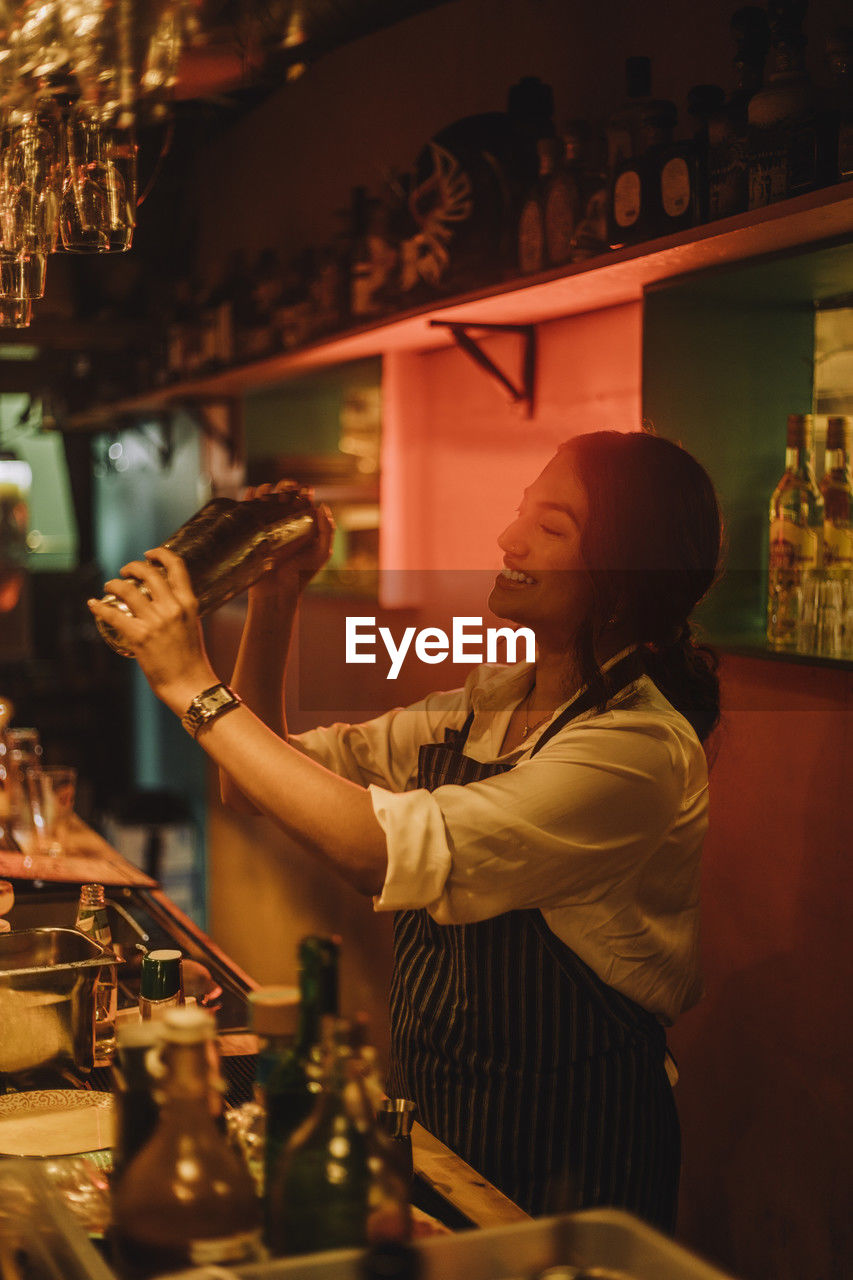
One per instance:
(163,630)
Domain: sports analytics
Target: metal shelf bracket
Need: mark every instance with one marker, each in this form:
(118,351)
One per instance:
(520,392)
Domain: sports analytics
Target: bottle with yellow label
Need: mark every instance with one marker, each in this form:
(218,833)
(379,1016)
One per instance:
(837,490)
(796,533)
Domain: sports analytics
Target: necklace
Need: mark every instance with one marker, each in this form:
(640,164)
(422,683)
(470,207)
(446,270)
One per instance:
(528,727)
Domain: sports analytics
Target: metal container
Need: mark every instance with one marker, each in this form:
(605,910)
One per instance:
(228,545)
(47,998)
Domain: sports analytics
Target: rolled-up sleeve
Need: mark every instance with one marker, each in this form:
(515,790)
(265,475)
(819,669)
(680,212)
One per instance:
(384,751)
(559,829)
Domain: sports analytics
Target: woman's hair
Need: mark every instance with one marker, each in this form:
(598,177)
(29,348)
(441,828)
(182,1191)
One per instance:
(651,545)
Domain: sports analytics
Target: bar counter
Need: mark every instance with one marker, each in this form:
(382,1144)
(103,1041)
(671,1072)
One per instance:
(46,893)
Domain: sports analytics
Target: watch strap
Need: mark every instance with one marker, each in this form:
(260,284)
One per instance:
(208,706)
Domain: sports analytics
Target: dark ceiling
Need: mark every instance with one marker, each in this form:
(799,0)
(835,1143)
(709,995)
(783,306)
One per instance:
(248,48)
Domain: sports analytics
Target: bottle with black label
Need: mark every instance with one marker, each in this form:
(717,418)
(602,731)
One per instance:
(728,150)
(684,165)
(786,143)
(637,133)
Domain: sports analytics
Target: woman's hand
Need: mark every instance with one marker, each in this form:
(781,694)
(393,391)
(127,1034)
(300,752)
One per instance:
(163,630)
(290,575)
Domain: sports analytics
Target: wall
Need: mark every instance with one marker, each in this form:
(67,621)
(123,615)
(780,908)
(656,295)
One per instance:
(764,1093)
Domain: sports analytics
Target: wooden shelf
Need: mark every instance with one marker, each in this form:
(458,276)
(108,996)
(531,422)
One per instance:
(754,647)
(821,217)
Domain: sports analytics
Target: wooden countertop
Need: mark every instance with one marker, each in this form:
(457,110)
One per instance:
(461,1185)
(87,859)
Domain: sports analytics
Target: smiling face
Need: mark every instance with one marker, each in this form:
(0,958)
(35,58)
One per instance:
(544,584)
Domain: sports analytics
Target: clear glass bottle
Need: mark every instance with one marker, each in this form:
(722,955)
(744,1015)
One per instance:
(836,486)
(92,920)
(796,533)
(186,1199)
(335,1187)
(228,545)
(565,196)
(531,220)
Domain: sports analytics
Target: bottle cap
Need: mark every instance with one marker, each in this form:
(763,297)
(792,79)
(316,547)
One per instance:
(188,1025)
(92,895)
(161,975)
(837,433)
(274,1011)
(138,1035)
(800,430)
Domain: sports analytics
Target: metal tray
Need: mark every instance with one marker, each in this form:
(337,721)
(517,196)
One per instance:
(47,998)
(603,1243)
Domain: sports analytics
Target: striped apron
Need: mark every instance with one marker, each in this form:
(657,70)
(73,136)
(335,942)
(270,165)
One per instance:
(542,1077)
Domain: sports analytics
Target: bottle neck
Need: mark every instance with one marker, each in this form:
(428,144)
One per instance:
(837,463)
(188,1076)
(799,459)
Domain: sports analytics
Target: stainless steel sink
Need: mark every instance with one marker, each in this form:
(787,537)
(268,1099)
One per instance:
(140,920)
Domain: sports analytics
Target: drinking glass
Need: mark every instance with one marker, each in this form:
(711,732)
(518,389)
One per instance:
(819,629)
(32,168)
(16,314)
(50,793)
(22,275)
(98,207)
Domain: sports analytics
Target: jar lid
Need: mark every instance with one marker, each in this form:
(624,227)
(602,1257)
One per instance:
(161,975)
(138,1035)
(188,1025)
(274,1011)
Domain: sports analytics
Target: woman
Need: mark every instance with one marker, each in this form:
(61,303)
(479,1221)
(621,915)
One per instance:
(537,833)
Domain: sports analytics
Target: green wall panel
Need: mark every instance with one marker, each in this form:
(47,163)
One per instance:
(722,369)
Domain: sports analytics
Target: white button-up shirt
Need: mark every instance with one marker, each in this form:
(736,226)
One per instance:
(601,830)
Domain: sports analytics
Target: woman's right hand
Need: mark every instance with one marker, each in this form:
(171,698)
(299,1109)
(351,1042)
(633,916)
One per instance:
(290,575)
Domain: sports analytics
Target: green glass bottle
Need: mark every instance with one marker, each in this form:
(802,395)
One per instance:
(318,1198)
(288,1022)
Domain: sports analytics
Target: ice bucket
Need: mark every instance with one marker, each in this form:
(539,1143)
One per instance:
(47,998)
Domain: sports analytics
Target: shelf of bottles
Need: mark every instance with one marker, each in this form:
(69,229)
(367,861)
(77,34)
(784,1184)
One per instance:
(504,218)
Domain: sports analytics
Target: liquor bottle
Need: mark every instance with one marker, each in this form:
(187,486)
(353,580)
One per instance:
(786,139)
(334,1187)
(567,193)
(531,220)
(796,532)
(728,149)
(288,1021)
(684,165)
(228,545)
(839,48)
(93,921)
(637,132)
(136,1110)
(836,487)
(186,1199)
(362,286)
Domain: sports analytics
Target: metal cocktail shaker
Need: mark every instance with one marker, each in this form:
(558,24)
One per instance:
(228,545)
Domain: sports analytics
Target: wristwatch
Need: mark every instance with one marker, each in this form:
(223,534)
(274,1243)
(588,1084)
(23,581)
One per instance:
(208,706)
